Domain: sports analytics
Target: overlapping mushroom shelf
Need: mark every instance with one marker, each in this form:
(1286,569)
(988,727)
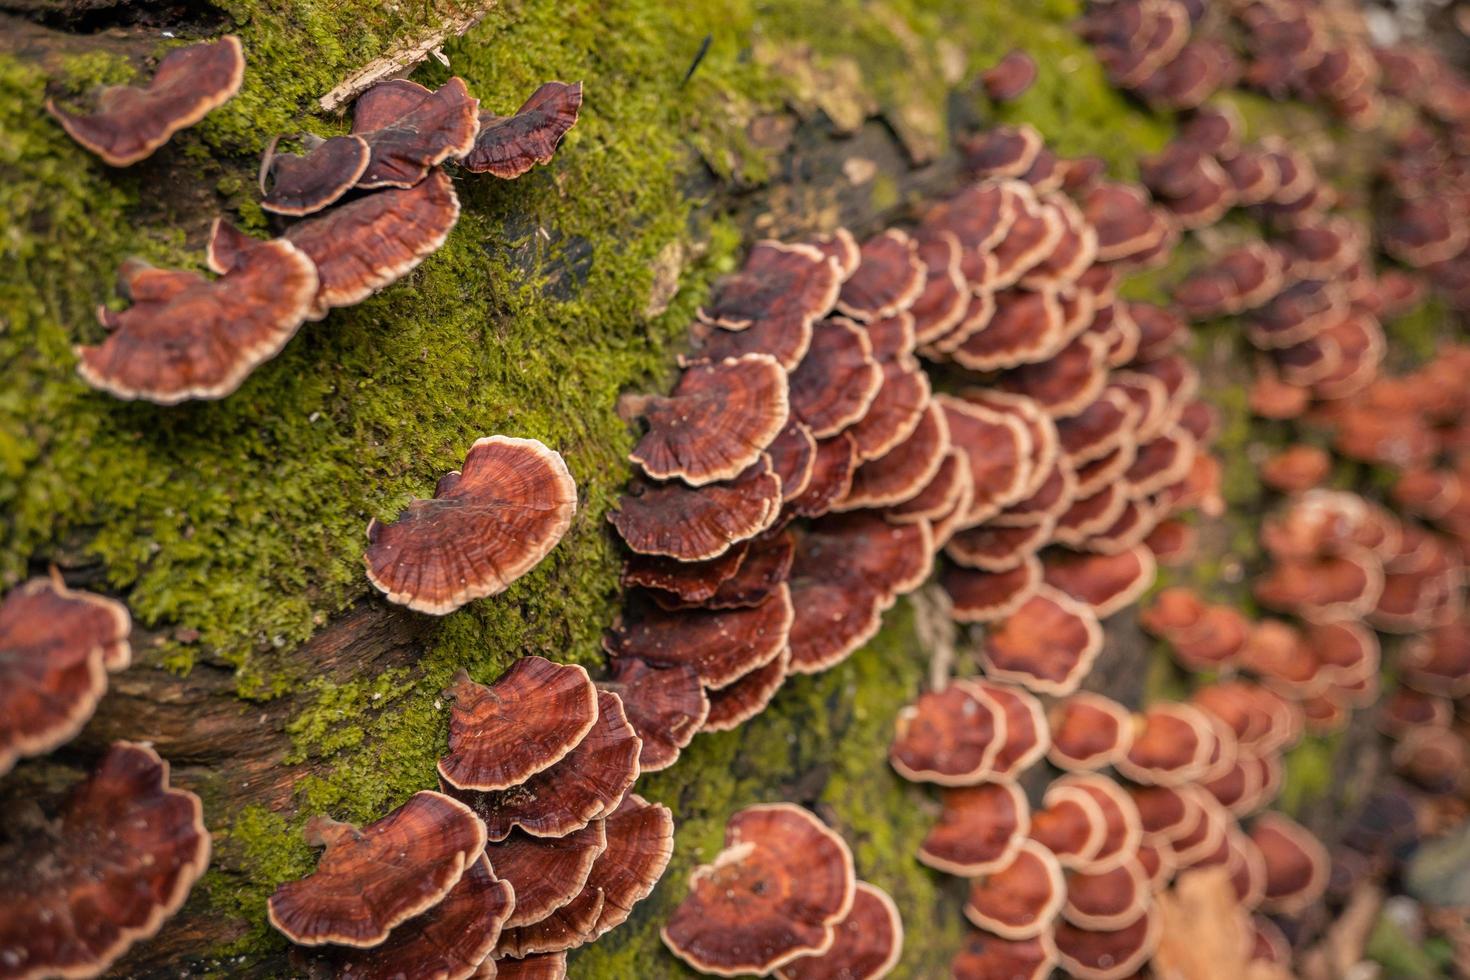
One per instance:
(535,845)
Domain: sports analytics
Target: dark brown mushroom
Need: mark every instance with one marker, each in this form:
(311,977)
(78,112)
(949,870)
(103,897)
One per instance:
(1020,898)
(979,831)
(130,122)
(697,524)
(984,597)
(508,146)
(546,872)
(188,337)
(904,470)
(59,647)
(776,297)
(722,645)
(868,943)
(888,279)
(115,862)
(539,966)
(1010,77)
(528,720)
(486,526)
(745,697)
(371,879)
(949,737)
(300,184)
(1107,583)
(837,379)
(407,137)
(586,785)
(716,421)
(666,706)
(683,582)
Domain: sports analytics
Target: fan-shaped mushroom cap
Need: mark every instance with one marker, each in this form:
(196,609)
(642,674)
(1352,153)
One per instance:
(372,878)
(188,337)
(868,942)
(528,720)
(1107,583)
(667,707)
(1421,233)
(983,597)
(1171,746)
(794,459)
(508,146)
(1035,232)
(683,582)
(1122,827)
(546,872)
(950,737)
(451,939)
(744,698)
(301,184)
(1165,813)
(1296,863)
(784,287)
(1027,736)
(1108,899)
(722,645)
(939,496)
(411,132)
(832,472)
(365,245)
(895,411)
(486,526)
(1330,587)
(989,957)
(131,122)
(1433,759)
(979,217)
(696,524)
(1126,223)
(1277,652)
(774,894)
(59,646)
(715,423)
(1215,640)
(1046,645)
(837,379)
(979,829)
(1098,429)
(541,966)
(1065,384)
(996,445)
(1003,151)
(1097,955)
(941,304)
(1296,468)
(1072,825)
(997,549)
(117,861)
(1010,77)
(1019,898)
(1088,731)
(902,472)
(888,279)
(587,784)
(1204,838)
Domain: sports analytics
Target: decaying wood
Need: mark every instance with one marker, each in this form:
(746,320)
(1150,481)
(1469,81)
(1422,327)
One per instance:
(408,54)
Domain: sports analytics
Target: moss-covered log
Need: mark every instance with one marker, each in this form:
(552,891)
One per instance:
(276,685)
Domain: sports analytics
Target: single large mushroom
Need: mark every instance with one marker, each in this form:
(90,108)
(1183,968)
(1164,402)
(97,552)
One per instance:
(509,146)
(186,337)
(715,423)
(527,721)
(372,878)
(130,122)
(59,647)
(116,861)
(486,526)
(773,895)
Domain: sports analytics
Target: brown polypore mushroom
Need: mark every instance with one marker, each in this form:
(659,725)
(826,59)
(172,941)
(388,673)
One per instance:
(774,894)
(452,939)
(59,646)
(546,872)
(1107,583)
(888,279)
(697,524)
(716,421)
(185,336)
(1107,899)
(769,306)
(1089,954)
(837,379)
(949,737)
(979,829)
(130,123)
(721,645)
(1020,898)
(116,861)
(1008,78)
(984,597)
(372,878)
(297,185)
(1297,864)
(586,784)
(1296,468)
(408,136)
(988,957)
(1047,645)
(867,946)
(746,696)
(1089,731)
(508,146)
(667,706)
(1027,736)
(1171,745)
(486,526)
(527,721)
(539,966)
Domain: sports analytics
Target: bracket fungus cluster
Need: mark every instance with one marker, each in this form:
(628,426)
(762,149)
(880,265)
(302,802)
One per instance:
(370,206)
(536,845)
(782,899)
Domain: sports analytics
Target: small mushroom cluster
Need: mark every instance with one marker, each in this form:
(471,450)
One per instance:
(536,844)
(107,865)
(782,899)
(1150,49)
(185,336)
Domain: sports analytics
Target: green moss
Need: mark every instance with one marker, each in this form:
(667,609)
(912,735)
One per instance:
(1418,332)
(1308,771)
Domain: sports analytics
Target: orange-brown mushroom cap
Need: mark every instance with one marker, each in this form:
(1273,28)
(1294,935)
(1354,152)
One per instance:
(59,646)
(979,830)
(776,297)
(1020,898)
(486,526)
(408,136)
(868,944)
(746,696)
(188,337)
(304,184)
(989,957)
(451,939)
(1089,954)
(1107,583)
(1171,745)
(1047,645)
(538,966)
(1027,735)
(697,524)
(888,279)
(1010,77)
(585,785)
(666,705)
(721,645)
(130,123)
(774,894)
(372,878)
(119,858)
(716,421)
(528,720)
(688,582)
(546,872)
(984,597)
(837,379)
(367,244)
(949,737)
(1088,731)
(508,146)
(1107,899)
